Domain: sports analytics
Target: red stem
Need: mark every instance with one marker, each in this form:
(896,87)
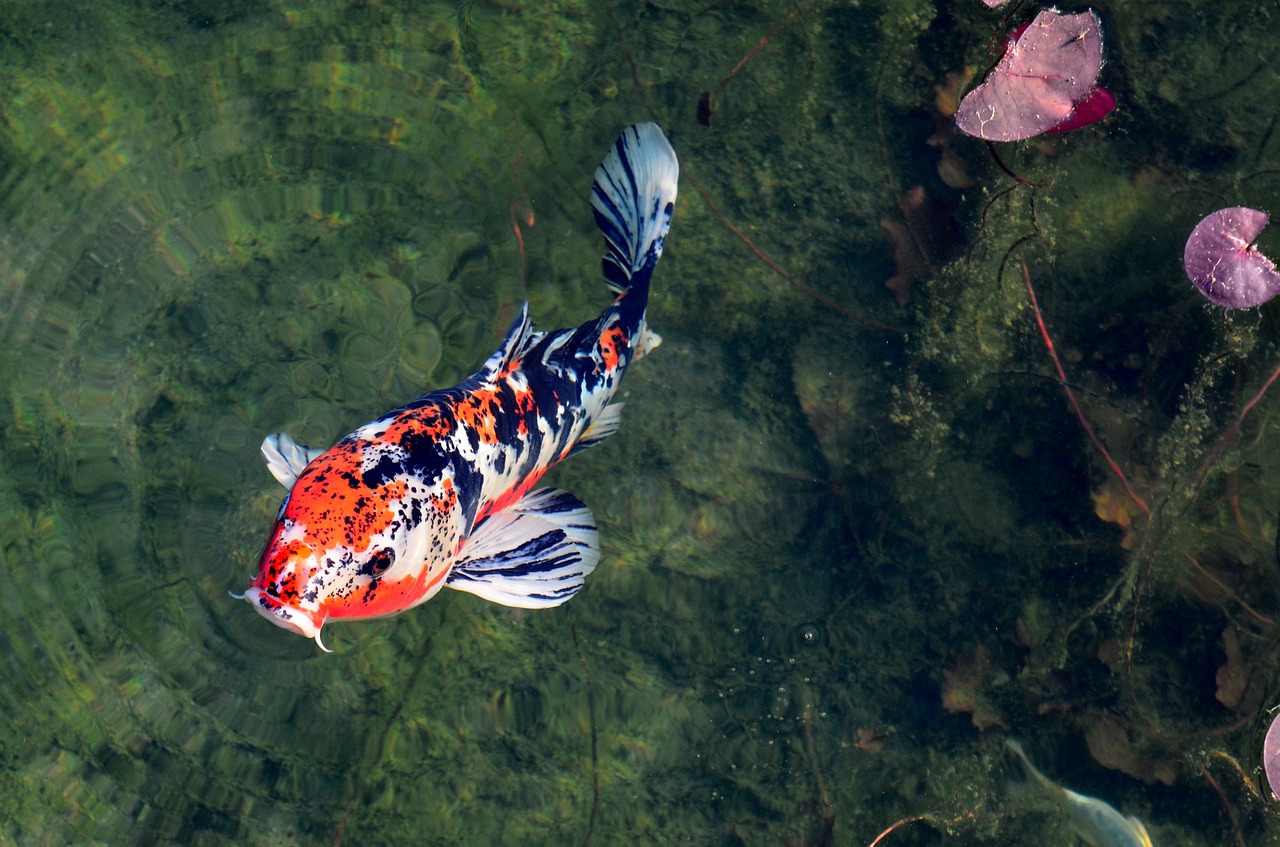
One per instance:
(1071,396)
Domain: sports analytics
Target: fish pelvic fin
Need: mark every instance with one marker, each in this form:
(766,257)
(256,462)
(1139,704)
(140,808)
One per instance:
(633,198)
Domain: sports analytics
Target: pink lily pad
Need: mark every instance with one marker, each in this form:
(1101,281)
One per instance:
(1095,106)
(994,4)
(1271,756)
(1225,265)
(1049,70)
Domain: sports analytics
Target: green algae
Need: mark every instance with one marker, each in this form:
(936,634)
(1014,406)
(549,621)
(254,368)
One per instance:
(238,220)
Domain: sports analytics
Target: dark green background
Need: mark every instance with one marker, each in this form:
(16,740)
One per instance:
(220,220)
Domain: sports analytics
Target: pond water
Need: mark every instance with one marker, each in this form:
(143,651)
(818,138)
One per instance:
(855,534)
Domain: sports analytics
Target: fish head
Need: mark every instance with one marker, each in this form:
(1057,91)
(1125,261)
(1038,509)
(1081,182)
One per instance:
(347,544)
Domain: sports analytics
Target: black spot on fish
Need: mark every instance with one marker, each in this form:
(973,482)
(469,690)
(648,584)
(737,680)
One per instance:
(379,474)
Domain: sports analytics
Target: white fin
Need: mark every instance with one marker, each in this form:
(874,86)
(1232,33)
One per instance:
(1032,770)
(605,424)
(286,458)
(519,338)
(531,556)
(633,197)
(647,342)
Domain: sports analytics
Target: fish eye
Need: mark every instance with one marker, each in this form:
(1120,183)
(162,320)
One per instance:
(381,560)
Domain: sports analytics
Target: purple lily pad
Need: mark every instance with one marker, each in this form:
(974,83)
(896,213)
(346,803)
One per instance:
(1225,265)
(1048,69)
(1271,756)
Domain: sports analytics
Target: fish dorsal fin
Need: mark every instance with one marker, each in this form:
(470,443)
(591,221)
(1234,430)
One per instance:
(286,458)
(633,198)
(519,338)
(533,555)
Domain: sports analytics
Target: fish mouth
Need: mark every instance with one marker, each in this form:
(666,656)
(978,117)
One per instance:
(292,618)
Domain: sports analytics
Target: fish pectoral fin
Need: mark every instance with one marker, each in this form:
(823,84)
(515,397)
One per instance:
(286,458)
(533,555)
(605,424)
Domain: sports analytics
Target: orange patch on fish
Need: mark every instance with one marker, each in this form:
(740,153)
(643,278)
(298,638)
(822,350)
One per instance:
(426,422)
(383,598)
(447,500)
(612,342)
(354,513)
(478,413)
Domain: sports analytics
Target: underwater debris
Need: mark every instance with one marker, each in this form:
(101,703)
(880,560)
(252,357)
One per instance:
(1111,747)
(706,98)
(1235,677)
(873,739)
(909,264)
(1112,503)
(964,689)
(947,95)
(922,234)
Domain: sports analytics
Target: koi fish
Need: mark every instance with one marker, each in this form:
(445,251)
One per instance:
(440,492)
(1096,823)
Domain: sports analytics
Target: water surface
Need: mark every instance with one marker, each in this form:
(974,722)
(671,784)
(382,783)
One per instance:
(853,534)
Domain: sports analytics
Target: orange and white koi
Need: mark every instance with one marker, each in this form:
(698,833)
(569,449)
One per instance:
(440,492)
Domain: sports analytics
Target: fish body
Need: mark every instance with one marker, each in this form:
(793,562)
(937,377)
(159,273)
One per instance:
(1096,823)
(440,492)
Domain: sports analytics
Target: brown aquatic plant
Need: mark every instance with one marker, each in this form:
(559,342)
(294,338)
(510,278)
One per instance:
(1110,745)
(922,234)
(1236,676)
(965,687)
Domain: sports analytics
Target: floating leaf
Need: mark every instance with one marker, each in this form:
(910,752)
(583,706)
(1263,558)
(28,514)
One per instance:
(1271,755)
(1045,82)
(1222,261)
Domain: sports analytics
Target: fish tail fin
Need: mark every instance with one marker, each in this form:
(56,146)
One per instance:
(1031,769)
(633,198)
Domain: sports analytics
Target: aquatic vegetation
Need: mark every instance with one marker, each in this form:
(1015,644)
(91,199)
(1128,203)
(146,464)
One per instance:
(241,220)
